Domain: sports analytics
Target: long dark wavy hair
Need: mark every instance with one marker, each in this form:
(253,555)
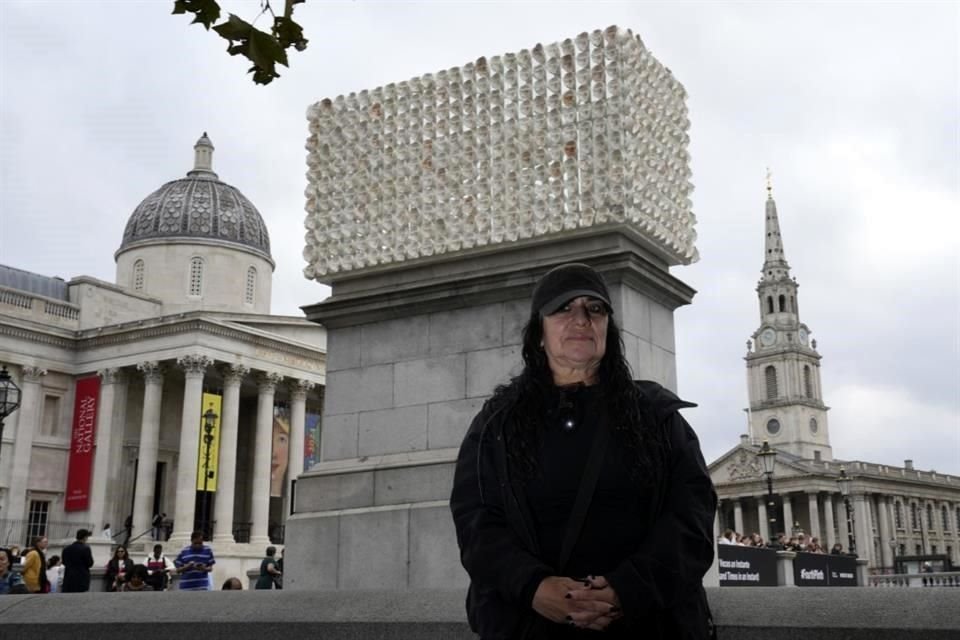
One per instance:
(529,398)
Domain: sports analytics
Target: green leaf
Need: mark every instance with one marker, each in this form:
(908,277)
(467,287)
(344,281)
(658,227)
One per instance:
(206,12)
(289,33)
(265,50)
(235,29)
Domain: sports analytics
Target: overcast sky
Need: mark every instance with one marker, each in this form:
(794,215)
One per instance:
(854,107)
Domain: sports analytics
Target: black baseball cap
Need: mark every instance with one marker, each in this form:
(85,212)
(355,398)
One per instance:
(562,284)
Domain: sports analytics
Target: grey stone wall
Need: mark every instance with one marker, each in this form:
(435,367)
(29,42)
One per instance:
(747,613)
(413,351)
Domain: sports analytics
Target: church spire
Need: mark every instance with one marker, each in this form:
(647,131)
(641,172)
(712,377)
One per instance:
(775,264)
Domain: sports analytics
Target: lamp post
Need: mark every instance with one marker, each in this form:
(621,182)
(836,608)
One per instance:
(209,421)
(844,482)
(768,457)
(9,397)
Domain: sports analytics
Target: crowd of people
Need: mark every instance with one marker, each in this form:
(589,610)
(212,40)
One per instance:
(71,571)
(798,542)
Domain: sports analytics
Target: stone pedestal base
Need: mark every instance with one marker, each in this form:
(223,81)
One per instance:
(413,351)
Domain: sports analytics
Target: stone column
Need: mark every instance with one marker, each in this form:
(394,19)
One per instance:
(861,524)
(844,523)
(787,515)
(103,462)
(814,516)
(763,520)
(830,537)
(149,446)
(260,490)
(28,424)
(885,530)
(227,463)
(298,412)
(194,366)
(738,516)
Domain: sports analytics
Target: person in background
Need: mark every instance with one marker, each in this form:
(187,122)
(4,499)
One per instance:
(635,567)
(137,580)
(159,568)
(118,568)
(10,580)
(232,584)
(157,524)
(194,564)
(35,567)
(107,532)
(269,571)
(77,560)
(55,574)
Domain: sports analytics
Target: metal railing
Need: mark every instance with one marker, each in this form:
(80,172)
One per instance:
(938,579)
(20,532)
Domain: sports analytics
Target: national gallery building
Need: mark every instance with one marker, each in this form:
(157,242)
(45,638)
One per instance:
(171,391)
(895,511)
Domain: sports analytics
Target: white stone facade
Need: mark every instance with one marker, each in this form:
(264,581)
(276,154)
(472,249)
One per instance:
(787,409)
(156,345)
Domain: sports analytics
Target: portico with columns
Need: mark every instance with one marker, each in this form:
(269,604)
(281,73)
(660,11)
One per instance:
(895,511)
(177,323)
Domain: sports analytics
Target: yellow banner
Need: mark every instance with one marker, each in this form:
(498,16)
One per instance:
(207,466)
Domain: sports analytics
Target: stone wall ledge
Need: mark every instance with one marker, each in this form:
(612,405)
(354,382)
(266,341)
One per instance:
(741,613)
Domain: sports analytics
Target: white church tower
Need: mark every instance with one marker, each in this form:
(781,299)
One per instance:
(783,366)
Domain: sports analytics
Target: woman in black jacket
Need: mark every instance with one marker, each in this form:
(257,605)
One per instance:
(632,564)
(118,569)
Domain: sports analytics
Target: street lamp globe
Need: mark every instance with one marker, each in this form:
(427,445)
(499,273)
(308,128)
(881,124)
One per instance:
(9,394)
(768,458)
(844,482)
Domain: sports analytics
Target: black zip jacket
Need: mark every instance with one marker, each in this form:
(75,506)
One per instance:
(658,580)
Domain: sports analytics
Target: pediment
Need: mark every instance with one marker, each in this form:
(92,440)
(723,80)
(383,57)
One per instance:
(741,464)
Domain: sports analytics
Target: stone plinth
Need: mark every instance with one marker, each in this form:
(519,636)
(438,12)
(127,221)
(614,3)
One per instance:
(414,350)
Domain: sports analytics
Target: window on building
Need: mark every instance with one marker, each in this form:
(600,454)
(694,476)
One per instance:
(196,276)
(51,416)
(251,285)
(807,382)
(933,549)
(918,550)
(770,373)
(37,519)
(138,275)
(929,516)
(945,518)
(950,552)
(902,550)
(914,516)
(769,304)
(783,303)
(793,305)
(898,515)
(773,426)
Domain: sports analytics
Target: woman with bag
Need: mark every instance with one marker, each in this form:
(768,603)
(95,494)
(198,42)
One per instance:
(581,499)
(269,572)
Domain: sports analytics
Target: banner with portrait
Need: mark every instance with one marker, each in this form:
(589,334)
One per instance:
(280,452)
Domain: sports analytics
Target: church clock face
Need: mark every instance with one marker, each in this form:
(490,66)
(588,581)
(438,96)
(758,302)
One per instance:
(768,337)
(802,334)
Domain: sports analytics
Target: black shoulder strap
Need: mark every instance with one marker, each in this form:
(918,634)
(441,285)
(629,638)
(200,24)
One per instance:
(584,496)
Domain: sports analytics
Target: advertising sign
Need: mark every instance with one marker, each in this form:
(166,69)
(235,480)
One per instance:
(819,570)
(311,440)
(82,444)
(211,401)
(747,566)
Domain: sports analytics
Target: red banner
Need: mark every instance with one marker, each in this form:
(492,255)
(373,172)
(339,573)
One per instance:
(82,443)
